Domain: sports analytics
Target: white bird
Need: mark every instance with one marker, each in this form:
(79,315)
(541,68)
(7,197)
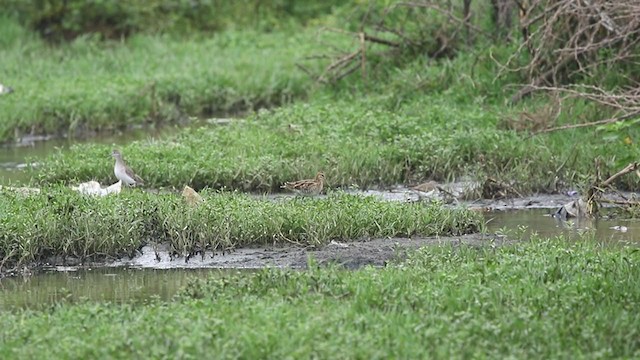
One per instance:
(5,89)
(123,172)
(94,188)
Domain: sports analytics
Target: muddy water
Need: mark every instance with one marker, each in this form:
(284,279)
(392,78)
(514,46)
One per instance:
(522,223)
(115,285)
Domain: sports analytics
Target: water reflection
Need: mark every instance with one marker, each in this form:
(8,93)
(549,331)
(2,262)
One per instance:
(13,159)
(100,285)
(541,222)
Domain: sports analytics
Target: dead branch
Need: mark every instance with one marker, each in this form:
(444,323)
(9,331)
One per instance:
(625,103)
(367,37)
(595,193)
(569,40)
(389,31)
(620,202)
(588,124)
(629,168)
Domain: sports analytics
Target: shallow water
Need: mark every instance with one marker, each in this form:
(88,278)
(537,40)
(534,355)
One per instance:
(14,157)
(540,221)
(115,285)
(143,282)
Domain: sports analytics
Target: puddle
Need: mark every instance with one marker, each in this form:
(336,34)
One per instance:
(541,222)
(145,278)
(115,285)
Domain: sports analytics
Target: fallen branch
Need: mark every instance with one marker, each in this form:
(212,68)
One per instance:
(569,40)
(367,37)
(620,202)
(593,123)
(629,168)
(595,192)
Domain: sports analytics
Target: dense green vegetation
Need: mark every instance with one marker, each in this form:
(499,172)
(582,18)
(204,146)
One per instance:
(60,222)
(413,118)
(540,299)
(88,85)
(58,20)
(431,103)
(356,141)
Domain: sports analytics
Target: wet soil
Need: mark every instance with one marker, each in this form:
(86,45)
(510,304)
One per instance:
(351,255)
(533,212)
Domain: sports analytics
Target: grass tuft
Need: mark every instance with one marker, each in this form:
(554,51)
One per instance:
(60,222)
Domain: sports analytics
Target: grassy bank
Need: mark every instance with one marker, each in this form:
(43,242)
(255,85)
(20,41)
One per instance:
(540,299)
(354,141)
(412,120)
(61,223)
(89,85)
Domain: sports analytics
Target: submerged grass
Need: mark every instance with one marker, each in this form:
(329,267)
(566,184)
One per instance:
(59,222)
(538,299)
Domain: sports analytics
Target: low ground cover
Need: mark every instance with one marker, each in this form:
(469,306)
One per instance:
(61,223)
(89,85)
(365,142)
(542,299)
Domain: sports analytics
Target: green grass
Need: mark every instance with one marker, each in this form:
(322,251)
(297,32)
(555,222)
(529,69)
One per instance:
(59,222)
(88,85)
(539,299)
(366,141)
(412,121)
(112,19)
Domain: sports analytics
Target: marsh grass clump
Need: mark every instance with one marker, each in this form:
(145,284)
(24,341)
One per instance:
(543,298)
(494,300)
(355,141)
(59,222)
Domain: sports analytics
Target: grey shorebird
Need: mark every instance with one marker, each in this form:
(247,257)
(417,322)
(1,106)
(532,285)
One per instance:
(123,172)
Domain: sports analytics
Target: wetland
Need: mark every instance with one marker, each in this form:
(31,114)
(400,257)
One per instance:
(435,222)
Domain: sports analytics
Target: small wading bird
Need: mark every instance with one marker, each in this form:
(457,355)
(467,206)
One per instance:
(306,187)
(5,89)
(191,196)
(123,172)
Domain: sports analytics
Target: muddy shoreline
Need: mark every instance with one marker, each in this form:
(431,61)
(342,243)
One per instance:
(350,254)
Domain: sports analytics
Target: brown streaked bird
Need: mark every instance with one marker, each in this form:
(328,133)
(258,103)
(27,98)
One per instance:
(425,187)
(123,172)
(191,196)
(306,187)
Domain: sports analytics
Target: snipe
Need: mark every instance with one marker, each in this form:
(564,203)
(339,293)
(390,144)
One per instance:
(306,187)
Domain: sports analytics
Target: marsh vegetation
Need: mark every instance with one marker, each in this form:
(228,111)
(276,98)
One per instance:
(543,298)
(372,95)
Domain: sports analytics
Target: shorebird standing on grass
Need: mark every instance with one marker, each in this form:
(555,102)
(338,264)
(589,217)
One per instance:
(5,89)
(123,172)
(191,196)
(306,187)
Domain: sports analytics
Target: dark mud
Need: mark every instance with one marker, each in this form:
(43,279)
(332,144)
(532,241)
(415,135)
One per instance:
(462,194)
(352,255)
